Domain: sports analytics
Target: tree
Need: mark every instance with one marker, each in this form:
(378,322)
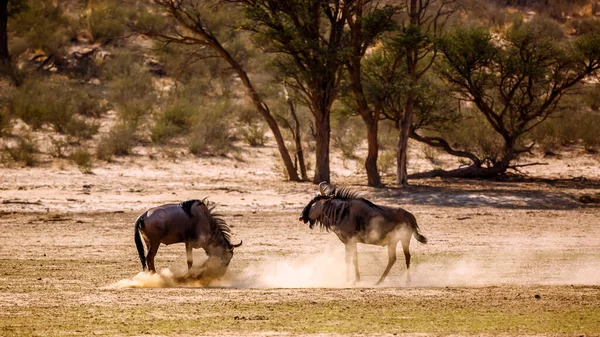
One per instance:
(190,27)
(4,55)
(425,22)
(366,24)
(309,37)
(515,83)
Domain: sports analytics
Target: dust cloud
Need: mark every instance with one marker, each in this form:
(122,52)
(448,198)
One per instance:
(328,270)
(322,270)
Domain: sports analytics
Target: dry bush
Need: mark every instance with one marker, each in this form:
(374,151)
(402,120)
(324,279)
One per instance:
(107,22)
(119,142)
(475,135)
(83,159)
(253,128)
(40,101)
(588,131)
(175,120)
(431,154)
(568,128)
(255,133)
(347,136)
(25,151)
(211,132)
(387,135)
(387,162)
(58,147)
(133,95)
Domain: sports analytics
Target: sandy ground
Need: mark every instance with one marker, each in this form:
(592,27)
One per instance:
(522,250)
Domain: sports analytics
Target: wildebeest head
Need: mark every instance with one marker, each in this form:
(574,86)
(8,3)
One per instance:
(314,209)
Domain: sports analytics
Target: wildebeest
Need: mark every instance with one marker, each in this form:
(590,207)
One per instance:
(358,220)
(192,222)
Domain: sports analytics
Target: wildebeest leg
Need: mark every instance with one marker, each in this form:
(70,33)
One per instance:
(188,253)
(350,255)
(356,273)
(405,245)
(151,254)
(391,260)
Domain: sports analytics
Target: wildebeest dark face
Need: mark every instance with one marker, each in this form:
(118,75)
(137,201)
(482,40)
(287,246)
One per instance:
(312,211)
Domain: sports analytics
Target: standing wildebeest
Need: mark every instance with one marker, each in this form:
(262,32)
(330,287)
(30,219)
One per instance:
(357,220)
(191,222)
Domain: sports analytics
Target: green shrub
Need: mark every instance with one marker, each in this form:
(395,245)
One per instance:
(58,147)
(106,22)
(38,102)
(387,162)
(431,154)
(25,151)
(83,159)
(210,133)
(347,137)
(255,134)
(589,131)
(474,134)
(133,95)
(119,142)
(568,128)
(174,120)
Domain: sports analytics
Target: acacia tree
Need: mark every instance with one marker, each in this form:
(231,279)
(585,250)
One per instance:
(309,37)
(515,84)
(386,88)
(426,18)
(190,27)
(367,22)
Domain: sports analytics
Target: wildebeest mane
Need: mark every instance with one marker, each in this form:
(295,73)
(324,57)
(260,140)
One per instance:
(347,194)
(187,206)
(219,229)
(334,212)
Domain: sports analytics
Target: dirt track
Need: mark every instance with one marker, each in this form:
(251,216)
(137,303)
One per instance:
(507,258)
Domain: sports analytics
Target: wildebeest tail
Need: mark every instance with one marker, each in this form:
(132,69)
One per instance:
(415,227)
(139,224)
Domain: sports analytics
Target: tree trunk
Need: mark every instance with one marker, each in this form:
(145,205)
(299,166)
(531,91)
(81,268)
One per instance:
(297,136)
(322,149)
(402,159)
(5,64)
(373,178)
(260,105)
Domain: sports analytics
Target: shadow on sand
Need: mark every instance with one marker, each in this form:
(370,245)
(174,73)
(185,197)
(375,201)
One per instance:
(509,193)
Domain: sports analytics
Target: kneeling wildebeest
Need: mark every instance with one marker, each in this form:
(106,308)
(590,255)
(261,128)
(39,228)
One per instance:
(192,222)
(357,220)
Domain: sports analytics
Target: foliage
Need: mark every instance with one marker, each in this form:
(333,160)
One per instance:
(58,147)
(132,94)
(517,82)
(83,159)
(174,120)
(44,24)
(347,136)
(119,142)
(210,133)
(40,101)
(474,134)
(25,151)
(107,20)
(254,133)
(387,161)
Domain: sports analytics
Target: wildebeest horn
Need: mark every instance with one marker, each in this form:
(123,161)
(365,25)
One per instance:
(322,186)
(239,244)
